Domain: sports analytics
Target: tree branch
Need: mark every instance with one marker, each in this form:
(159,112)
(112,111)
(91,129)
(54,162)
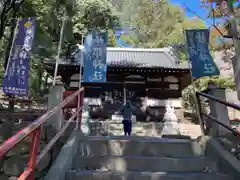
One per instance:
(3,19)
(15,8)
(7,7)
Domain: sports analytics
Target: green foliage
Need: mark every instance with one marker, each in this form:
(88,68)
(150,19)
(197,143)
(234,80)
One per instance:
(98,14)
(201,85)
(162,24)
(157,24)
(149,31)
(111,39)
(81,17)
(130,39)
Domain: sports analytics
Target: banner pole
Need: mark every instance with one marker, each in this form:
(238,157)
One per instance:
(13,43)
(59,47)
(81,66)
(11,98)
(198,106)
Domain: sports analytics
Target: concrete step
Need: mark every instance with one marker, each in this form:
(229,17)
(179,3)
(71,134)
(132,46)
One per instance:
(134,138)
(152,129)
(118,146)
(140,163)
(101,175)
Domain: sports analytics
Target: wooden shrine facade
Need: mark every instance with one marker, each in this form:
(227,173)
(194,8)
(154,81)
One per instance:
(139,82)
(161,80)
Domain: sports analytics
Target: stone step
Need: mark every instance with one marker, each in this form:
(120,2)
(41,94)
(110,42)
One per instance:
(130,145)
(137,138)
(139,163)
(101,175)
(152,129)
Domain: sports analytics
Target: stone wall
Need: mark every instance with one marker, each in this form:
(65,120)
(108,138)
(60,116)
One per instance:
(16,160)
(64,161)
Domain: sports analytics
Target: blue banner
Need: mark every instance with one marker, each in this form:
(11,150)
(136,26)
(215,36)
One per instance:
(95,55)
(199,55)
(15,80)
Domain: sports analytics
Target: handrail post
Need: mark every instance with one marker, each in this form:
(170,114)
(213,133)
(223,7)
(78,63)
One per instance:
(200,113)
(36,135)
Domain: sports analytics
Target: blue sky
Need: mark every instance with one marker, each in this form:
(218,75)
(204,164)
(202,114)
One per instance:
(193,5)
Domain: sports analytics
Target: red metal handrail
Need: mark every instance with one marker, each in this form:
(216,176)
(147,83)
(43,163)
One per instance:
(35,128)
(24,113)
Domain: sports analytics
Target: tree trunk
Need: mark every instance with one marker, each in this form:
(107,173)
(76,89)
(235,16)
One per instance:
(7,54)
(3,19)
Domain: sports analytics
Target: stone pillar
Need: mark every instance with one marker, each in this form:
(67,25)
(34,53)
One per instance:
(218,110)
(54,98)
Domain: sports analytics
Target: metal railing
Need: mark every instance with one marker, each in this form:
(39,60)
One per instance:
(34,130)
(211,118)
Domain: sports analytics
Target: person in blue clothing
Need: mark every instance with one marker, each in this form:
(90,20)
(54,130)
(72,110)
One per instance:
(127,111)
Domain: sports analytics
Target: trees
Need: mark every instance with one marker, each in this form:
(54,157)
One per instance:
(48,13)
(159,24)
(82,16)
(97,14)
(156,23)
(8,11)
(218,42)
(220,27)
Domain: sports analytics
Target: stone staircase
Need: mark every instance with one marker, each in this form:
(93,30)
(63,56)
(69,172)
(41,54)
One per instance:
(114,127)
(142,158)
(152,129)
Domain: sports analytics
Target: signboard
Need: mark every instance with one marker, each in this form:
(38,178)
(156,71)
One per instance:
(15,80)
(95,65)
(199,55)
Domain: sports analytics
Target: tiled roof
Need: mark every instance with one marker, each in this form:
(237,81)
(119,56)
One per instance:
(138,57)
(129,57)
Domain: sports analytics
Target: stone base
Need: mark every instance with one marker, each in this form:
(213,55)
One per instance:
(171,128)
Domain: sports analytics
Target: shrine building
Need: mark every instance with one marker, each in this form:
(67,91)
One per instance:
(147,77)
